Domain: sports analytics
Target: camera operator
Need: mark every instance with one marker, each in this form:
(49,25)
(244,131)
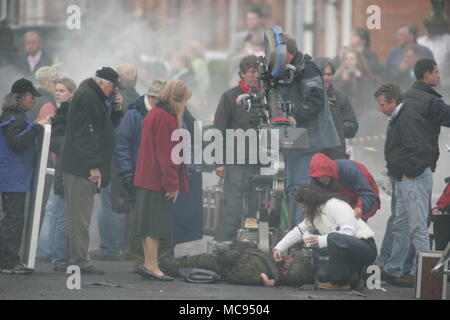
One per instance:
(310,111)
(230,114)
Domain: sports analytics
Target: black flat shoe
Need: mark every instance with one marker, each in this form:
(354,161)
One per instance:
(147,274)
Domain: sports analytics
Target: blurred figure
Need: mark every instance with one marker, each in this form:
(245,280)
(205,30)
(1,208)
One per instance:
(17,156)
(158,179)
(45,106)
(128,78)
(406,36)
(404,76)
(255,30)
(35,57)
(86,157)
(196,54)
(341,109)
(9,59)
(438,41)
(353,78)
(52,243)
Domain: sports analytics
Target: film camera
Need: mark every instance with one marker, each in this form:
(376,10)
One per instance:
(272,112)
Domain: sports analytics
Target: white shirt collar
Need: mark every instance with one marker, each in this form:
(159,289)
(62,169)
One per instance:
(396,111)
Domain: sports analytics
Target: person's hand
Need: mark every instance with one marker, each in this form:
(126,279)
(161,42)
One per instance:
(172,195)
(240,97)
(221,172)
(436,211)
(96,177)
(358,213)
(42,122)
(118,101)
(265,279)
(312,240)
(277,255)
(128,184)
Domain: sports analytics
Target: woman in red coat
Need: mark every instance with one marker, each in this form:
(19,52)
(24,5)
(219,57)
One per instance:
(158,179)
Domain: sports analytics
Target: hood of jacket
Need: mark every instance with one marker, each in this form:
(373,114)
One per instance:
(322,166)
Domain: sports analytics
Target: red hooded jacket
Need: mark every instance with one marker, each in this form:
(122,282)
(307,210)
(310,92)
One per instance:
(353,181)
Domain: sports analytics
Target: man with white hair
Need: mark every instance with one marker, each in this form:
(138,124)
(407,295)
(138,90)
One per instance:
(45,106)
(86,157)
(128,78)
(34,57)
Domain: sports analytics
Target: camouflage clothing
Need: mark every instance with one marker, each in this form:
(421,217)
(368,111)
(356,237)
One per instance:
(242,263)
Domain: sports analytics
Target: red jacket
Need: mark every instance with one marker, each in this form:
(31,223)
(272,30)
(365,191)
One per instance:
(155,169)
(444,199)
(353,181)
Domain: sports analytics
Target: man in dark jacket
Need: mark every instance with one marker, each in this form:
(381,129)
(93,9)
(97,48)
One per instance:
(35,56)
(230,114)
(86,157)
(408,159)
(428,103)
(311,111)
(343,115)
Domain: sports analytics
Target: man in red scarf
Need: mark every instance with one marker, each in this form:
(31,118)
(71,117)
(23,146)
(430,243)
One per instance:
(230,114)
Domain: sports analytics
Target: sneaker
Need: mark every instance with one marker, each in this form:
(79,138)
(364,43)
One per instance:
(330,286)
(91,270)
(17,269)
(407,281)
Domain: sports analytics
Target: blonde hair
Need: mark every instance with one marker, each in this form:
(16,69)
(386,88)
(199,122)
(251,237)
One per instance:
(175,91)
(127,74)
(45,75)
(68,83)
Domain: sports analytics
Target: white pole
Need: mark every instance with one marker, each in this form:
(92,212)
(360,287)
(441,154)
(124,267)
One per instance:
(331,32)
(346,22)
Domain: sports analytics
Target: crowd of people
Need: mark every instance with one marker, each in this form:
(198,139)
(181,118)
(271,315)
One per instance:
(110,140)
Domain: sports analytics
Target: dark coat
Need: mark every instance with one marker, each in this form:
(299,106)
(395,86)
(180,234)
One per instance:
(429,104)
(17,150)
(89,140)
(407,149)
(56,144)
(344,119)
(311,108)
(155,169)
(128,137)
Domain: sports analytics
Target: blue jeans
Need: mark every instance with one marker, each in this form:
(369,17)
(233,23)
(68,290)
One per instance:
(410,221)
(386,246)
(111,226)
(297,173)
(47,232)
(60,238)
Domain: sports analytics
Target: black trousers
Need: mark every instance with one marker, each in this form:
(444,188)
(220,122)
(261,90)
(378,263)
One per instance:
(348,254)
(441,230)
(11,227)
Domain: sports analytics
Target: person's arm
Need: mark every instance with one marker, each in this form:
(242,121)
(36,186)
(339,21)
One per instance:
(440,112)
(124,146)
(353,178)
(350,122)
(20,134)
(294,236)
(313,95)
(343,216)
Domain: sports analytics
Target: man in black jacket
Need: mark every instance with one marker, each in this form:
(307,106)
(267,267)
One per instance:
(86,157)
(310,111)
(428,103)
(230,114)
(408,160)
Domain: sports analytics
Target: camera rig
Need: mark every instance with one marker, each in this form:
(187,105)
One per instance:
(272,112)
